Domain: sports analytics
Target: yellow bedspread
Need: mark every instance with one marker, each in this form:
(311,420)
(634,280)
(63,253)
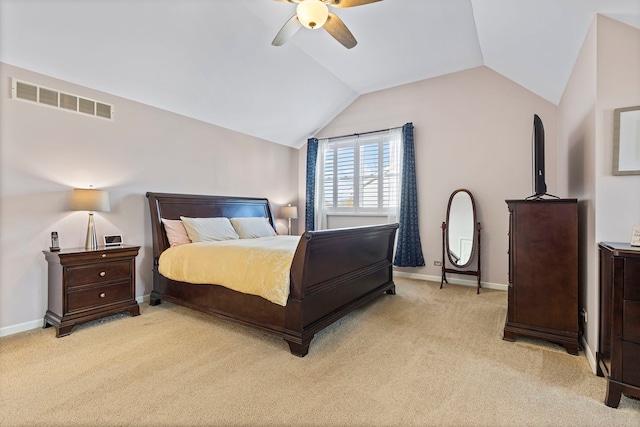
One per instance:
(253,266)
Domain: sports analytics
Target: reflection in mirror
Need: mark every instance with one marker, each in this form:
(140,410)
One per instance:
(460,231)
(461,227)
(460,235)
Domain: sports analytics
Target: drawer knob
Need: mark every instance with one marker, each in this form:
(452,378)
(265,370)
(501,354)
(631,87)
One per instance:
(102,295)
(103,255)
(102,274)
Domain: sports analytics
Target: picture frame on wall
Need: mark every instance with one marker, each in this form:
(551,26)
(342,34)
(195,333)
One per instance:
(626,141)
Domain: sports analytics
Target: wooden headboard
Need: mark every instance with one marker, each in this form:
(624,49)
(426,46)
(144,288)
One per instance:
(172,206)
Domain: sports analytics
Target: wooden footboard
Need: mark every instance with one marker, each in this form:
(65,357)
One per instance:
(333,272)
(336,271)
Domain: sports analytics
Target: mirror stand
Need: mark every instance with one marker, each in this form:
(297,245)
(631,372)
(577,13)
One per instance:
(446,270)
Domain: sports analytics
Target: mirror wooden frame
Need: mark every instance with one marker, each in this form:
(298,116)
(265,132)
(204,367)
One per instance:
(475,247)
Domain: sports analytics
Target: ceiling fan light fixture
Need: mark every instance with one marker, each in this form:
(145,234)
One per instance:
(312,13)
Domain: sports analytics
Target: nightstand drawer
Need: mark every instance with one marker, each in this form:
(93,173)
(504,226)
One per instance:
(632,279)
(630,365)
(631,321)
(94,296)
(98,273)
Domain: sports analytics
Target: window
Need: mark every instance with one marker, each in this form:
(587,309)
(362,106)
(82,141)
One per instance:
(360,174)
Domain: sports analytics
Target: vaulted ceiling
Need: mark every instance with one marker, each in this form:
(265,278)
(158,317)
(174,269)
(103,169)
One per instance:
(213,60)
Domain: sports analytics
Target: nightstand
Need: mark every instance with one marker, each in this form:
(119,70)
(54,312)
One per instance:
(86,285)
(619,344)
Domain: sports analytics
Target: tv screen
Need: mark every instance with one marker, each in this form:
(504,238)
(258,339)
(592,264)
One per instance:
(539,185)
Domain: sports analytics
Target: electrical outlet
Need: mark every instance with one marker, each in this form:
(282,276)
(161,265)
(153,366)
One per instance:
(584,314)
(437,263)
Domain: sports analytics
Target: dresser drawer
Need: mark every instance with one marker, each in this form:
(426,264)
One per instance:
(630,365)
(91,297)
(98,273)
(632,279)
(631,321)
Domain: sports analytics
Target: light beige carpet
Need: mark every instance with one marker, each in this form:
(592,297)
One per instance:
(422,357)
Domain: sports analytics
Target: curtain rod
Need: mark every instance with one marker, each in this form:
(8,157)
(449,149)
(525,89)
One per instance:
(361,133)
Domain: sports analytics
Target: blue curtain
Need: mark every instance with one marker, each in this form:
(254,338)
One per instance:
(312,158)
(408,248)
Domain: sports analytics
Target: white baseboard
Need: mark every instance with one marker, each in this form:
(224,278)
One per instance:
(21,327)
(590,357)
(452,280)
(38,323)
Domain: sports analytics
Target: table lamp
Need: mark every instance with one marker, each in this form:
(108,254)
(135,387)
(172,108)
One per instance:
(93,201)
(290,212)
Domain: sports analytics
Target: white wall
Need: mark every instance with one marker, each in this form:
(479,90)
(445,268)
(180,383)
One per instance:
(604,78)
(618,197)
(342,221)
(472,130)
(618,85)
(577,136)
(45,152)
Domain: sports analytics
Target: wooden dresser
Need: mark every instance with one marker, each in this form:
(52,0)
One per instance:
(543,271)
(85,285)
(619,345)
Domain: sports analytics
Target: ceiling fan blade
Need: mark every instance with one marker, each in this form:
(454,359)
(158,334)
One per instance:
(348,3)
(339,31)
(287,31)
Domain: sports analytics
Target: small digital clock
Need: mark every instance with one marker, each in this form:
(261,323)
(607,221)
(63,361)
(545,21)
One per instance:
(113,240)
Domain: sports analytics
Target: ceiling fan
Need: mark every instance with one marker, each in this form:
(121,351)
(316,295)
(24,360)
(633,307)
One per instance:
(315,14)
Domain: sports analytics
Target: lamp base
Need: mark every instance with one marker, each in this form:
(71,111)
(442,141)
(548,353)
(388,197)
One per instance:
(92,240)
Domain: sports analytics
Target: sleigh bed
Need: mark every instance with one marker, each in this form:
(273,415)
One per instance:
(332,273)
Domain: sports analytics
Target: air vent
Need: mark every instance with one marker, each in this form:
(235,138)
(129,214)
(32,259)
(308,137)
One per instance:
(69,102)
(45,96)
(103,110)
(25,91)
(86,106)
(48,97)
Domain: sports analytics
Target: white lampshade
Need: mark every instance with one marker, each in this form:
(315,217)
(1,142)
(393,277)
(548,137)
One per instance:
(312,13)
(290,212)
(90,200)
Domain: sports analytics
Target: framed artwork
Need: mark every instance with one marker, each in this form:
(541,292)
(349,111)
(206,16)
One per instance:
(626,141)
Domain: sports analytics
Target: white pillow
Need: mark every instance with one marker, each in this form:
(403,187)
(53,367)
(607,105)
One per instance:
(209,229)
(251,228)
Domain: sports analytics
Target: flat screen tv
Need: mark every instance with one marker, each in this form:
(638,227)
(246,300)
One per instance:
(537,143)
